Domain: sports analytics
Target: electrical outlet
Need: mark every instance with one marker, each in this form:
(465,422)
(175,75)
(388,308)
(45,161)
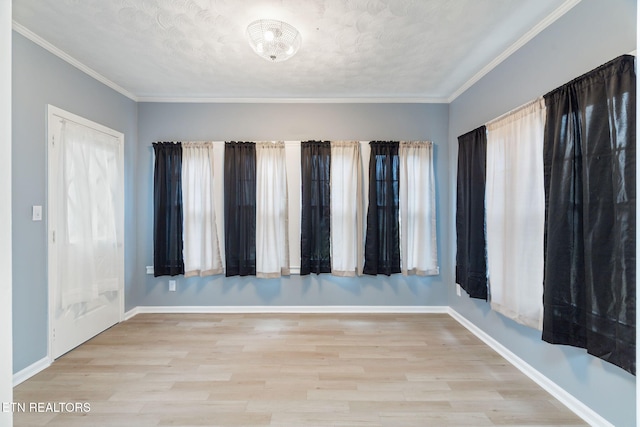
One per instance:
(172,285)
(458,290)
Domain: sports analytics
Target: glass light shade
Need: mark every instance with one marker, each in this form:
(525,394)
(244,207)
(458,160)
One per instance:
(273,40)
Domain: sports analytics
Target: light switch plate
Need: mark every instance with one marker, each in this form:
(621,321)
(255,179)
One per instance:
(36,213)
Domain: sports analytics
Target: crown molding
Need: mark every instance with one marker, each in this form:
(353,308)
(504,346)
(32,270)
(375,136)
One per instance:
(17,27)
(342,100)
(537,29)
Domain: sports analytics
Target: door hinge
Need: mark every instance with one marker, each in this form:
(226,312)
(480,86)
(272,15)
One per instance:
(54,236)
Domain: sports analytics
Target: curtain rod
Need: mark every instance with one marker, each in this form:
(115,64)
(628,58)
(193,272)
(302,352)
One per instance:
(300,141)
(64,119)
(515,110)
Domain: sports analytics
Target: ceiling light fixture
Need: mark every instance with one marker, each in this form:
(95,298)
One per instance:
(276,41)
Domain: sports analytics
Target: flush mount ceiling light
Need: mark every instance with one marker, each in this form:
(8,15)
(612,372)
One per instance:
(273,40)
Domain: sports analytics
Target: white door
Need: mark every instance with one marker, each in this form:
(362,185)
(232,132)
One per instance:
(85,229)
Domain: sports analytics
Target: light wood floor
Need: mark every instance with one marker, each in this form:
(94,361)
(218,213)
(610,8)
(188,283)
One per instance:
(289,370)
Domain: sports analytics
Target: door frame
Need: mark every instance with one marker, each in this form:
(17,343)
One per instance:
(54,112)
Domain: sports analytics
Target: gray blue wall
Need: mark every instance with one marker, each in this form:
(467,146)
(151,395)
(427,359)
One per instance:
(40,78)
(220,122)
(592,33)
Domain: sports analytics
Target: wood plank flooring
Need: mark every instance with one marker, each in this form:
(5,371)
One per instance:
(288,370)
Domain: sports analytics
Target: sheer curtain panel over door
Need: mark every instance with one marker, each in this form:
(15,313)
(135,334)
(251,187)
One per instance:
(88,239)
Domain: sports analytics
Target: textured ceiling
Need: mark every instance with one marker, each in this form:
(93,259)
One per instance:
(351,49)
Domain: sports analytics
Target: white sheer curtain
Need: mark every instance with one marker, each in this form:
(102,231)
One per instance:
(88,237)
(418,242)
(272,225)
(201,249)
(346,209)
(515,213)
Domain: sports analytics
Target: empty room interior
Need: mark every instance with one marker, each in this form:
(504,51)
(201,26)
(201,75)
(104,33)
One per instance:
(318,212)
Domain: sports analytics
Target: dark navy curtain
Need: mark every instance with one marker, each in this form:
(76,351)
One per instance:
(167,209)
(589,160)
(315,247)
(382,243)
(240,208)
(471,241)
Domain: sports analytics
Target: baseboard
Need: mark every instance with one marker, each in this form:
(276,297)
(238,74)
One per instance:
(129,314)
(575,405)
(244,309)
(31,370)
